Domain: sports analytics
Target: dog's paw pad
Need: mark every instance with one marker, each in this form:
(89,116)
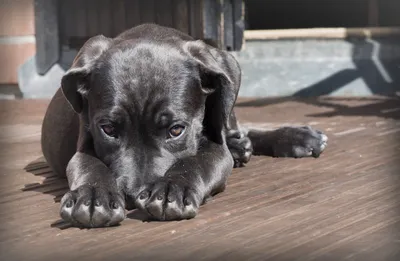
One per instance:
(240,147)
(168,200)
(92,207)
(299,142)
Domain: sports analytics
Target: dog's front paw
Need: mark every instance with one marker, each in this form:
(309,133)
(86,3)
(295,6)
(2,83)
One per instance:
(298,142)
(169,199)
(239,146)
(90,206)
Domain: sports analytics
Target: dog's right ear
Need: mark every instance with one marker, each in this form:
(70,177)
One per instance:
(75,83)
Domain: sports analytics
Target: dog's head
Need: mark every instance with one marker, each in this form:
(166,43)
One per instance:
(147,104)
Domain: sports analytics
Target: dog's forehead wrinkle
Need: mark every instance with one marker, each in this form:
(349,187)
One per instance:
(144,56)
(152,101)
(140,77)
(145,65)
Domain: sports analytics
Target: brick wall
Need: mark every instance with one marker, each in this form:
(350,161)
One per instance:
(17,37)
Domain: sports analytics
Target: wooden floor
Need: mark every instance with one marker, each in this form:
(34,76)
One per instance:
(342,206)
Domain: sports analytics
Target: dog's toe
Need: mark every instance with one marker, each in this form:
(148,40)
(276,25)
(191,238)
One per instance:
(92,207)
(320,143)
(240,147)
(323,142)
(168,199)
(299,142)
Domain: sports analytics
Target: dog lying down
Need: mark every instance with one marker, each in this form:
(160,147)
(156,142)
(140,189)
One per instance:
(146,120)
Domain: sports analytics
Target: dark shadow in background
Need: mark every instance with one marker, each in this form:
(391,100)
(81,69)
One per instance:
(52,184)
(291,14)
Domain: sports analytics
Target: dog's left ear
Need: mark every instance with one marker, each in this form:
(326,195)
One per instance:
(75,82)
(220,81)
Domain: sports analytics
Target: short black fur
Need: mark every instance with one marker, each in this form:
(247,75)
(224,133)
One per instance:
(108,128)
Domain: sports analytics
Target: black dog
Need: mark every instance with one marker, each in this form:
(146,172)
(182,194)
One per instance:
(145,120)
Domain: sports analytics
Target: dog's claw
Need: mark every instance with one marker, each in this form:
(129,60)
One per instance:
(170,200)
(82,210)
(299,142)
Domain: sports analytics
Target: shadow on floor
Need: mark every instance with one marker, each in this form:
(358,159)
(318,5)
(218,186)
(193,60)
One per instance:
(52,185)
(57,187)
(388,108)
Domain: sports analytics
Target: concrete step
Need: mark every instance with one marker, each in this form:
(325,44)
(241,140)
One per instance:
(353,67)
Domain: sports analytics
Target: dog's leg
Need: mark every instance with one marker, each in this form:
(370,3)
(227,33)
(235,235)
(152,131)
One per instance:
(188,184)
(295,142)
(94,199)
(238,142)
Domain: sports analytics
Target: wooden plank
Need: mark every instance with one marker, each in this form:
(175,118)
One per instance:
(47,37)
(373,13)
(239,27)
(212,22)
(93,18)
(389,13)
(228,29)
(63,26)
(133,12)
(75,19)
(80,21)
(147,9)
(196,18)
(321,33)
(118,17)
(163,13)
(104,17)
(67,21)
(342,206)
(181,15)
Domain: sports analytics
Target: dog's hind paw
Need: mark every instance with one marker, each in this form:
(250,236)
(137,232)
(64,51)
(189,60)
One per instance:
(299,142)
(90,206)
(240,147)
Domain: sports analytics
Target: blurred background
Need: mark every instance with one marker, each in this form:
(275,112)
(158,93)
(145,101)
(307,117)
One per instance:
(285,47)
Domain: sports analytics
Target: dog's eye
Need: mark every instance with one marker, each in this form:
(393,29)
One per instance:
(109,130)
(176,130)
